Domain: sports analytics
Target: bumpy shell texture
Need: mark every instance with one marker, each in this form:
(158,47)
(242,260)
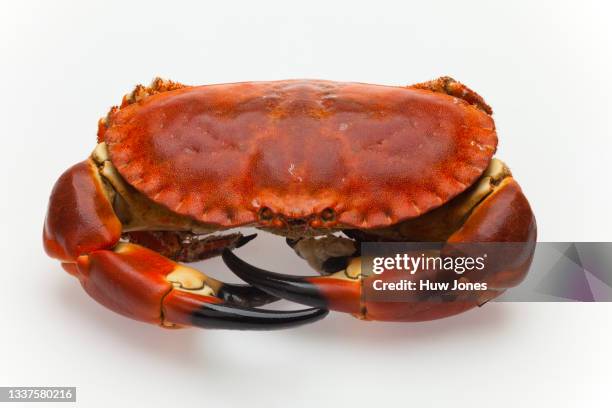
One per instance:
(374,155)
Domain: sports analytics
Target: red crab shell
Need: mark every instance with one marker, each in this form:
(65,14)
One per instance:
(375,155)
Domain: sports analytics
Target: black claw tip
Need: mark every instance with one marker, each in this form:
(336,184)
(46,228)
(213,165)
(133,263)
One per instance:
(243,240)
(295,288)
(222,316)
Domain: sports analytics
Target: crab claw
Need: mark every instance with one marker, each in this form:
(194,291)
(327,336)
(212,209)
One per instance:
(143,285)
(190,310)
(340,291)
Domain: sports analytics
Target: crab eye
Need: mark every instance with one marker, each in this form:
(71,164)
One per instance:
(328,215)
(266,214)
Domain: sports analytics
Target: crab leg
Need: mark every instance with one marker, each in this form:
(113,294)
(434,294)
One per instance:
(503,216)
(82,230)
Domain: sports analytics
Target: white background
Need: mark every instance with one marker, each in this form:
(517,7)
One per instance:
(543,66)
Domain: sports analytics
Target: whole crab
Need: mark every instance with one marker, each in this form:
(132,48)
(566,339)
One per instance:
(326,164)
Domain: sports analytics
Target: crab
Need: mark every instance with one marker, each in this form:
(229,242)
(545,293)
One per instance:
(328,165)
